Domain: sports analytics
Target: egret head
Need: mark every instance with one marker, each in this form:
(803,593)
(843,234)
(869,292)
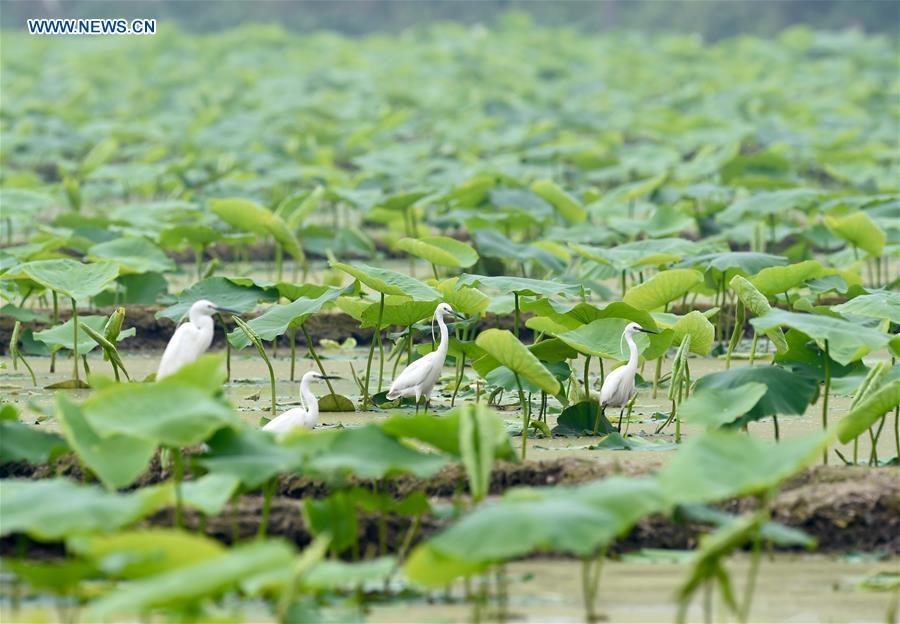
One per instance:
(634,327)
(205,307)
(310,376)
(444,309)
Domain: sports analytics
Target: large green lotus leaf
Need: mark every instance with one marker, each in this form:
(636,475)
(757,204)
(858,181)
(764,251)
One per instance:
(117,459)
(468,301)
(134,288)
(720,464)
(172,412)
(334,516)
(552,350)
(650,252)
(846,341)
(210,493)
(19,203)
(859,230)
(77,280)
(243,214)
(353,306)
(250,455)
(195,582)
(772,281)
(583,313)
(21,442)
(247,215)
(398,310)
(427,567)
(279,318)
(786,392)
(878,305)
(335,574)
(63,336)
(569,207)
(369,453)
(867,413)
(134,254)
(521,285)
(603,338)
(53,509)
(526,521)
(551,325)
(757,303)
(493,244)
(772,203)
(578,420)
(715,406)
(144,552)
(698,327)
(197,234)
(389,282)
(440,250)
(662,288)
(738,262)
(504,347)
(223,292)
(478,441)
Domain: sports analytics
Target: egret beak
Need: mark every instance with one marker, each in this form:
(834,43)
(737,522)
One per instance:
(647,331)
(458,315)
(328,377)
(226,310)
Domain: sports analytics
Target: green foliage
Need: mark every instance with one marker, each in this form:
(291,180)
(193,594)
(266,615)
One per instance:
(501,345)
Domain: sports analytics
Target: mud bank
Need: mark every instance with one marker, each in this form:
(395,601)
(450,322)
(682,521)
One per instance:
(845,508)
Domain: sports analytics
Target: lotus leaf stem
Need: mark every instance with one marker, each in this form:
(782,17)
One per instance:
(366,397)
(75,343)
(177,475)
(827,391)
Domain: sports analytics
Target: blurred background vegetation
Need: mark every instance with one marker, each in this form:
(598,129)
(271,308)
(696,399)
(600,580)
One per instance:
(713,19)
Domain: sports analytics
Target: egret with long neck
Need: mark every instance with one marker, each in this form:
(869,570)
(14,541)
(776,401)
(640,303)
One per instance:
(419,378)
(191,339)
(304,417)
(618,387)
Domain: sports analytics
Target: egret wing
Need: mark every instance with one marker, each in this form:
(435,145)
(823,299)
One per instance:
(186,345)
(290,419)
(413,376)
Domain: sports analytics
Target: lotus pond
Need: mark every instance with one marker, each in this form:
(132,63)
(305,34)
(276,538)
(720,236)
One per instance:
(739,199)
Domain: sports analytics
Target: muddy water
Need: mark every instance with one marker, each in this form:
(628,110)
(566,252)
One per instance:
(790,588)
(249,391)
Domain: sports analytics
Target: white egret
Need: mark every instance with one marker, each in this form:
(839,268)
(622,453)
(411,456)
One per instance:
(618,386)
(300,417)
(191,339)
(418,379)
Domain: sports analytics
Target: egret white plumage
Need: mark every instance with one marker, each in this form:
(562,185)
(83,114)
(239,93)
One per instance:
(618,386)
(418,379)
(191,339)
(300,417)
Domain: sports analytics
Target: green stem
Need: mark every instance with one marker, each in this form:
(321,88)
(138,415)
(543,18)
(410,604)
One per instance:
(75,344)
(587,385)
(516,314)
(657,374)
(825,398)
(434,270)
(736,334)
(268,492)
(279,261)
(366,397)
(177,475)
(315,356)
(55,322)
(753,348)
(524,415)
(293,341)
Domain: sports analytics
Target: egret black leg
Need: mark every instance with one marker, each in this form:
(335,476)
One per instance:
(417,406)
(621,413)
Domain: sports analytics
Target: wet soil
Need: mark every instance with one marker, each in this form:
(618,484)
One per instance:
(845,508)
